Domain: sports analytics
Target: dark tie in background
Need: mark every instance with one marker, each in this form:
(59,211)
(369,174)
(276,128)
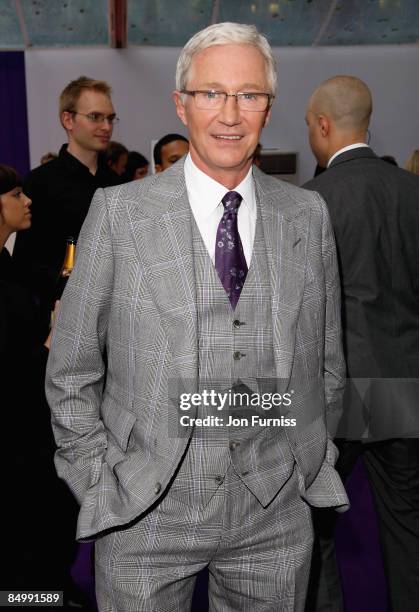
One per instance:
(230,261)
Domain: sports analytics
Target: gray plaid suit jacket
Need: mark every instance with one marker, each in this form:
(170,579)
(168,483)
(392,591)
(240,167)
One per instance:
(129,311)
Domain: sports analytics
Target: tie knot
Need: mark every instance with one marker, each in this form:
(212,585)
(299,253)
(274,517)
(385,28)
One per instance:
(231,201)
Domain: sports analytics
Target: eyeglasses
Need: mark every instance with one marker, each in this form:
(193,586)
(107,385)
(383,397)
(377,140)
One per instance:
(98,117)
(214,100)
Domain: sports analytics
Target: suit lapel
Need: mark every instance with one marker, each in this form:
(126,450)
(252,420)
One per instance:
(285,228)
(163,238)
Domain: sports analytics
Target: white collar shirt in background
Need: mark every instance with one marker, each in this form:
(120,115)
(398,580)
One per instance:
(356,145)
(205,197)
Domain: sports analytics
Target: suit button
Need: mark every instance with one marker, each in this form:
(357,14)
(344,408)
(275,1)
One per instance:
(237,355)
(157,488)
(219,479)
(245,473)
(233,445)
(236,323)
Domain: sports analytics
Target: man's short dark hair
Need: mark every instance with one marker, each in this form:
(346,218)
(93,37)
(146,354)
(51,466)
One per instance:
(114,151)
(135,160)
(164,141)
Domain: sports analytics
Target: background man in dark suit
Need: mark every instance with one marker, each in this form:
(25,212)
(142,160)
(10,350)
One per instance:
(374,208)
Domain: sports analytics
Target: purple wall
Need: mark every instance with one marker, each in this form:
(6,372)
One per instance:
(14,142)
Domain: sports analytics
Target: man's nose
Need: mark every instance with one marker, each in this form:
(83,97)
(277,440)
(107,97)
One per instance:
(230,112)
(107,124)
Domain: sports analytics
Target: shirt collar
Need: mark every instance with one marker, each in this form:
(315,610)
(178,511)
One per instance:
(104,177)
(205,194)
(356,145)
(71,161)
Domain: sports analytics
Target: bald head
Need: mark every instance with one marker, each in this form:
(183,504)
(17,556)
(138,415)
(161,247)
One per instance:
(346,100)
(338,115)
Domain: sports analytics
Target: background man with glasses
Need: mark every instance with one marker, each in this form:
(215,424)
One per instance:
(61,191)
(209,275)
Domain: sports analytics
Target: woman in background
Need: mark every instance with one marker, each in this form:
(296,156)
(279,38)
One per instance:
(17,312)
(412,163)
(136,168)
(37,509)
(116,157)
(18,338)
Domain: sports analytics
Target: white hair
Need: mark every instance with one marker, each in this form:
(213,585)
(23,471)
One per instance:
(226,33)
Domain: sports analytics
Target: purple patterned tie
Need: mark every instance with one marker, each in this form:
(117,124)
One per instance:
(230,261)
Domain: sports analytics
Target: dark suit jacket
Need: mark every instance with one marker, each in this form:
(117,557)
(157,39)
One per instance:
(374,208)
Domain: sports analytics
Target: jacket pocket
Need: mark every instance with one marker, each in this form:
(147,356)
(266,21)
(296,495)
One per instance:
(119,424)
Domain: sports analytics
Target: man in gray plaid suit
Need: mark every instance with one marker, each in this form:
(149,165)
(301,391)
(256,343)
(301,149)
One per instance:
(197,282)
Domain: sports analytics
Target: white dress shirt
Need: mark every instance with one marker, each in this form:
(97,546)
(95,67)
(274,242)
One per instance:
(356,145)
(205,197)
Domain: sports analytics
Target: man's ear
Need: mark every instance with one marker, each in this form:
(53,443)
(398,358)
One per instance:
(267,117)
(66,120)
(324,125)
(180,107)
(158,168)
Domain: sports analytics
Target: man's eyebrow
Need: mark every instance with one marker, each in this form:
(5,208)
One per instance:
(252,86)
(220,87)
(211,85)
(96,112)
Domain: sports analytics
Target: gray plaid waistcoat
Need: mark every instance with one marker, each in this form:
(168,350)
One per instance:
(235,352)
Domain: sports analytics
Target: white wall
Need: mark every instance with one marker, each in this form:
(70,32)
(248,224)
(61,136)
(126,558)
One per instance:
(143,78)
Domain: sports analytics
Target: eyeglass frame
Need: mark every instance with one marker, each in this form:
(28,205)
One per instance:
(111,119)
(270,97)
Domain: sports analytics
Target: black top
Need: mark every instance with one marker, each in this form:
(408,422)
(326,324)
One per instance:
(61,191)
(22,357)
(374,209)
(38,551)
(19,318)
